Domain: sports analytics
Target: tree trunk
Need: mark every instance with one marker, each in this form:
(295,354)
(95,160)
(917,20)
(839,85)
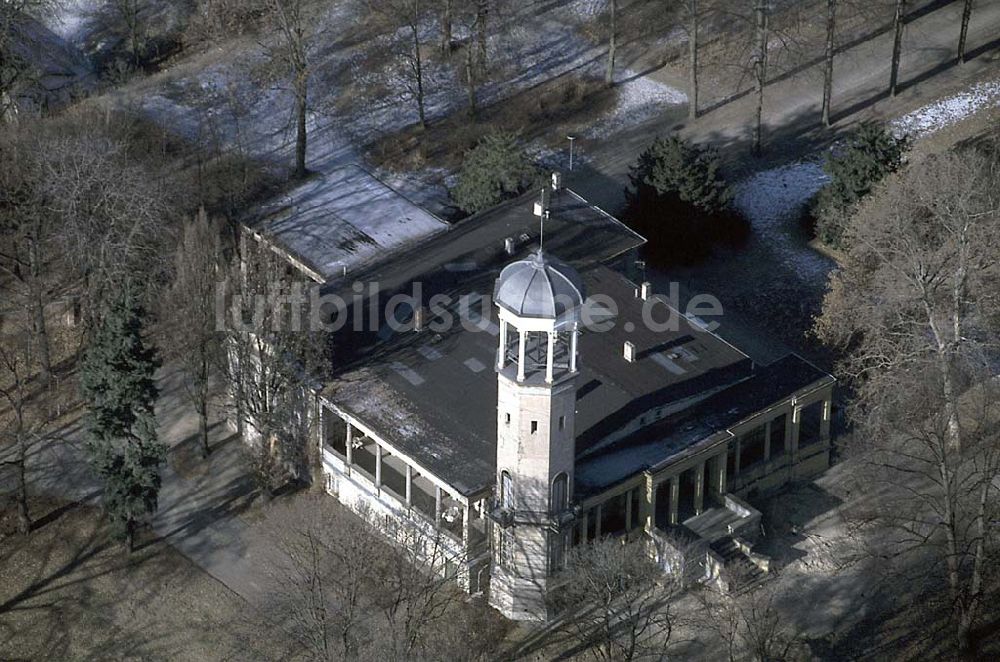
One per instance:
(446,28)
(964,32)
(38,313)
(692,59)
(482,9)
(418,71)
(760,73)
(130,536)
(206,450)
(302,106)
(23,514)
(609,75)
(897,47)
(831,28)
(470,80)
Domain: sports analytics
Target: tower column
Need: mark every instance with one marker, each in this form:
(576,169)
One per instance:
(522,344)
(573,338)
(550,360)
(502,354)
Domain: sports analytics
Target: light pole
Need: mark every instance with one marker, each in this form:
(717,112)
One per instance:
(571,139)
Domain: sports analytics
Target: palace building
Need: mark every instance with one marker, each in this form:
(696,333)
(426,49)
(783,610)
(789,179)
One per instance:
(514,395)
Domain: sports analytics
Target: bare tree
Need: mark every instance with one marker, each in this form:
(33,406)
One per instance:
(692,7)
(964,30)
(748,623)
(129,12)
(915,306)
(15,70)
(294,35)
(609,74)
(393,15)
(27,253)
(23,423)
(272,359)
(831,29)
(614,599)
(415,592)
(327,580)
(898,22)
(446,25)
(191,337)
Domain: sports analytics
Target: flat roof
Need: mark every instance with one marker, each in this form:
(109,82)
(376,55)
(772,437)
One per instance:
(699,426)
(432,393)
(344,219)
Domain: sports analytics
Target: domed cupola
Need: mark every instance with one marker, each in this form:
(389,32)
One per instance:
(539,286)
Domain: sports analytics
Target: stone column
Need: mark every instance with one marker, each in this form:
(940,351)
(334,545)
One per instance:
(597,521)
(584,521)
(437,506)
(824,426)
(378,467)
(550,359)
(502,354)
(699,489)
(409,486)
(349,446)
(466,523)
(793,436)
(573,339)
(722,461)
(675,495)
(649,505)
(522,343)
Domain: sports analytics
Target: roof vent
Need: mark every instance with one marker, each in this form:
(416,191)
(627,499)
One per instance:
(630,351)
(556,181)
(419,318)
(645,290)
(508,245)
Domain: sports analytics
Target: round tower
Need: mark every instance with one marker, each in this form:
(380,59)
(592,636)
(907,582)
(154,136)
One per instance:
(538,303)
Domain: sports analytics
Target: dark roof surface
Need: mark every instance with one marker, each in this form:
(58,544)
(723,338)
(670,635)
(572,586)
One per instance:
(432,393)
(689,430)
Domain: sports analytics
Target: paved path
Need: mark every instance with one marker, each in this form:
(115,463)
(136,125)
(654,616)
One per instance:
(200,500)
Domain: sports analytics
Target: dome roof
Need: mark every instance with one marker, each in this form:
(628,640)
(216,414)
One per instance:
(539,286)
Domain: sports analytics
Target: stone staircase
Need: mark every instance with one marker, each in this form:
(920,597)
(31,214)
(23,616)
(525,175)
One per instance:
(740,571)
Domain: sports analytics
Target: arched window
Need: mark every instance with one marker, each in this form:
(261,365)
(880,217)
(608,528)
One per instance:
(506,490)
(560,493)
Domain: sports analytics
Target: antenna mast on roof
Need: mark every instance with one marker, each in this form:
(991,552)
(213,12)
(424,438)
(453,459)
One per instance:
(541,230)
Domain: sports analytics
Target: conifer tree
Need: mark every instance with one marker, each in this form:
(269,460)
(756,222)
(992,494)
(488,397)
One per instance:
(117,383)
(496,169)
(869,154)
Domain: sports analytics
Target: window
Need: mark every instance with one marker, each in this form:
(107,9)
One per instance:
(557,548)
(562,422)
(506,490)
(534,427)
(508,418)
(560,493)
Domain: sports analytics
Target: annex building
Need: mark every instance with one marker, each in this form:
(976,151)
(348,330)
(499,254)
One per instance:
(522,403)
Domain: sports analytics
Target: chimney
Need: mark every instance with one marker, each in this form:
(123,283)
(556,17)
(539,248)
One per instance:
(508,245)
(556,181)
(630,351)
(419,320)
(645,290)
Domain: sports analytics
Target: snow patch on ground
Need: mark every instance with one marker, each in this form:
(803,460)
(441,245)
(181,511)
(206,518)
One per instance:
(639,99)
(773,200)
(948,111)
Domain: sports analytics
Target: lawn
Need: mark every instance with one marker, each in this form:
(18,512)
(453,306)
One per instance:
(68,591)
